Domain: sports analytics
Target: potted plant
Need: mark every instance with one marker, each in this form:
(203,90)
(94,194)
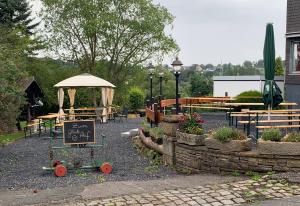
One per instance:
(272,142)
(190,130)
(229,140)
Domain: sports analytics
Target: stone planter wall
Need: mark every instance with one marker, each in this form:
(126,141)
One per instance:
(200,158)
(278,148)
(190,139)
(231,146)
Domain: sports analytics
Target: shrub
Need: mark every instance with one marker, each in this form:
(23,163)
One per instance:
(191,124)
(136,98)
(271,135)
(225,134)
(292,137)
(250,96)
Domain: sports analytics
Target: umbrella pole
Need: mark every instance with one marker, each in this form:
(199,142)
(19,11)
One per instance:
(269,114)
(271,105)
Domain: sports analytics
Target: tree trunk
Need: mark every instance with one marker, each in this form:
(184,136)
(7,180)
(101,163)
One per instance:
(150,144)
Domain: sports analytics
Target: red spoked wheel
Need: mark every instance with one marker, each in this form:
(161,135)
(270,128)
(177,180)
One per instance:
(106,168)
(60,171)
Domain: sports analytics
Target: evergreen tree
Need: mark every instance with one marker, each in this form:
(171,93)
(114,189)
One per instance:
(16,14)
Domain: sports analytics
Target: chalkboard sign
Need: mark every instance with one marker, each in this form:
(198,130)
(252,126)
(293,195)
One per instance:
(79,132)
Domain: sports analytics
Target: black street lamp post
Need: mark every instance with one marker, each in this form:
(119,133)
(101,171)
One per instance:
(161,75)
(151,71)
(177,66)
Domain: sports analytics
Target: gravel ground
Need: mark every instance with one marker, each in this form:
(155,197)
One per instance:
(213,120)
(22,161)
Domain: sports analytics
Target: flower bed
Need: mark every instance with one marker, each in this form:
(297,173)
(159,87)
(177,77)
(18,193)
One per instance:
(190,130)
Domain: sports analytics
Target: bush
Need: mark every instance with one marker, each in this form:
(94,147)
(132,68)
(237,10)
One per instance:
(136,98)
(225,134)
(292,137)
(251,96)
(271,135)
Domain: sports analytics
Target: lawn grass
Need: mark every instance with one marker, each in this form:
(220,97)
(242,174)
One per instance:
(6,138)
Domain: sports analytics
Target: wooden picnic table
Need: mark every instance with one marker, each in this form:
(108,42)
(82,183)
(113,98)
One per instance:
(281,111)
(50,118)
(290,113)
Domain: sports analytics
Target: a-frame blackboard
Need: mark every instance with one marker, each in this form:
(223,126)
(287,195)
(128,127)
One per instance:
(79,132)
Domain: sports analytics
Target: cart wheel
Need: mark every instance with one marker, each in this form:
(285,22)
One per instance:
(106,168)
(60,171)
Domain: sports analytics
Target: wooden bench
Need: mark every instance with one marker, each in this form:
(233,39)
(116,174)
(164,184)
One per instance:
(277,126)
(270,121)
(59,124)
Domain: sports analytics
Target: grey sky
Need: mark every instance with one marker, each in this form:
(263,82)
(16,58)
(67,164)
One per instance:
(215,31)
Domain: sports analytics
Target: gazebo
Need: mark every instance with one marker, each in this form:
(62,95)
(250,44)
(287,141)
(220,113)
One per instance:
(88,81)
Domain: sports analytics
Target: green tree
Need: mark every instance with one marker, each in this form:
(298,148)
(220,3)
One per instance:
(125,33)
(248,64)
(279,69)
(136,98)
(16,14)
(201,86)
(12,55)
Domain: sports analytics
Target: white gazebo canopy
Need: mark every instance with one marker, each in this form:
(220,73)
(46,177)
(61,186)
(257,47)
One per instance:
(84,80)
(89,81)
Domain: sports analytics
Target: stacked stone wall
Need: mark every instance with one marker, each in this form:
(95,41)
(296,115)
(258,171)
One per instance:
(199,158)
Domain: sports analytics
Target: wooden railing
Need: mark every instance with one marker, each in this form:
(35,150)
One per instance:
(154,111)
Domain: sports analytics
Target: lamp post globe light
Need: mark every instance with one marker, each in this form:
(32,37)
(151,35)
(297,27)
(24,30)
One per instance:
(150,72)
(177,67)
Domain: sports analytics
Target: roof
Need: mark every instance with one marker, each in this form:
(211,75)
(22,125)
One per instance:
(84,80)
(26,82)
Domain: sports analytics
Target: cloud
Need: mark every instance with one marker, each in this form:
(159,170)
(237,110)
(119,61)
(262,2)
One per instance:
(225,30)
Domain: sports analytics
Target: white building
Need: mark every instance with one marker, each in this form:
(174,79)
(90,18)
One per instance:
(234,85)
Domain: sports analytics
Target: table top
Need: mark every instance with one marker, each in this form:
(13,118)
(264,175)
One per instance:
(51,116)
(259,104)
(83,109)
(279,111)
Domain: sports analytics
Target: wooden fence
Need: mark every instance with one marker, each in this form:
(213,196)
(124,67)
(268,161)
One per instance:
(154,111)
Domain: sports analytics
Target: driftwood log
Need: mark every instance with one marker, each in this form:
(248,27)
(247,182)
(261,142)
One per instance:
(150,144)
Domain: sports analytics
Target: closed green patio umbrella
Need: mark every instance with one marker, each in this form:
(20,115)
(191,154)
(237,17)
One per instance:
(272,94)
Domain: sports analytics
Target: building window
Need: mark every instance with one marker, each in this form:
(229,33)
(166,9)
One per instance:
(295,57)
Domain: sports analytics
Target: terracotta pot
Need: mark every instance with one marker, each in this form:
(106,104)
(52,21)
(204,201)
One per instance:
(231,146)
(278,148)
(190,139)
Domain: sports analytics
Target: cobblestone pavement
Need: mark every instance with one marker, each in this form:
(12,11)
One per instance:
(237,193)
